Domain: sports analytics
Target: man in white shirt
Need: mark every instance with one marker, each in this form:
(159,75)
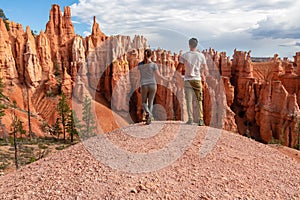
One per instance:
(194,64)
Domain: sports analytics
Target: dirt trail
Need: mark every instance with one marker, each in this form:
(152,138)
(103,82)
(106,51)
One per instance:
(166,160)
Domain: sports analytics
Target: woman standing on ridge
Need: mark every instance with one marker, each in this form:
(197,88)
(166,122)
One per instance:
(148,71)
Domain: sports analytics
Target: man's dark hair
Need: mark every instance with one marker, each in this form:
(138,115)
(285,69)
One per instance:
(193,42)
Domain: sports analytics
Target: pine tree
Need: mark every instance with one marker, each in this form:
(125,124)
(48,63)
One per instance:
(2,107)
(14,133)
(63,109)
(2,98)
(30,133)
(89,124)
(56,129)
(16,127)
(2,15)
(21,129)
(73,125)
(5,19)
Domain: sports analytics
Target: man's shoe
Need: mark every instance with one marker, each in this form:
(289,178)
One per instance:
(148,120)
(201,123)
(189,122)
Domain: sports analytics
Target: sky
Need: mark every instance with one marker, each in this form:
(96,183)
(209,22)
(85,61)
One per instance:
(264,27)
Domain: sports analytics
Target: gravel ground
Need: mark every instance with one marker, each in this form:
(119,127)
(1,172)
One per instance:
(165,160)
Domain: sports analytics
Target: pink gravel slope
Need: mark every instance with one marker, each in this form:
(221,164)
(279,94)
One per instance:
(209,164)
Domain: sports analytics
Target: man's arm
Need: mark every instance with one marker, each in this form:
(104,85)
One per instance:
(178,72)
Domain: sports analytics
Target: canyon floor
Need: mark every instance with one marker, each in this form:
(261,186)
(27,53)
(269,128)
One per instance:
(165,160)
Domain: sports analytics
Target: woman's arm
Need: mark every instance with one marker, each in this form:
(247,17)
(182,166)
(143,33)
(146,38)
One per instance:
(157,74)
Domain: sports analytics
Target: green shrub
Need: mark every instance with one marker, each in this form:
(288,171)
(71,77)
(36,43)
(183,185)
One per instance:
(61,147)
(3,166)
(275,141)
(42,146)
(32,159)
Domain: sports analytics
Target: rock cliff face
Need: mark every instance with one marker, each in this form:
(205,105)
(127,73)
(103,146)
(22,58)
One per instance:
(32,67)
(266,99)
(60,33)
(255,99)
(44,52)
(7,62)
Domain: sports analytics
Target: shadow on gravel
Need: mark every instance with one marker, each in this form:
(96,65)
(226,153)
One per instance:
(115,157)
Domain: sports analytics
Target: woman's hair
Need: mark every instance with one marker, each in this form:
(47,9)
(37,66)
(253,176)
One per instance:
(147,55)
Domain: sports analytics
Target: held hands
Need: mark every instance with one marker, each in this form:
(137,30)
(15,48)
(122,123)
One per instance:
(167,79)
(173,79)
(177,79)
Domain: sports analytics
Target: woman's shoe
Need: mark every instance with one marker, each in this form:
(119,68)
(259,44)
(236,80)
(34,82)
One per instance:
(189,122)
(148,119)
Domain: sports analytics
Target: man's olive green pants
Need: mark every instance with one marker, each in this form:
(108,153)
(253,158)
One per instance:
(193,88)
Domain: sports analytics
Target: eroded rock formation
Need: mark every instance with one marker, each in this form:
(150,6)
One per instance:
(266,99)
(32,67)
(44,52)
(257,99)
(7,62)
(60,33)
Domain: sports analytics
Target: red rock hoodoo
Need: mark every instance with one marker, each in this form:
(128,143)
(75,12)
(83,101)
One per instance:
(258,99)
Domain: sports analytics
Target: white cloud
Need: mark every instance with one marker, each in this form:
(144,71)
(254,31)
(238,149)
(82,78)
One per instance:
(282,23)
(86,33)
(113,14)
(223,23)
(75,22)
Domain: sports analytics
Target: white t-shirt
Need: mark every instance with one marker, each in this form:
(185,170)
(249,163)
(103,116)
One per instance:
(192,60)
